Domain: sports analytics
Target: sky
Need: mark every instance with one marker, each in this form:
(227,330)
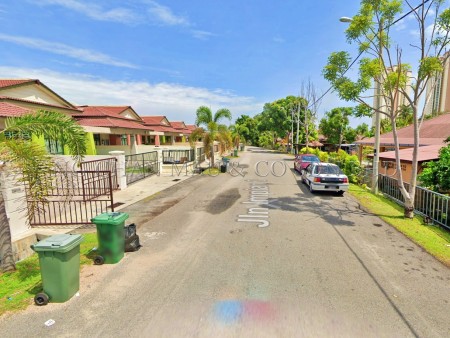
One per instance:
(170,57)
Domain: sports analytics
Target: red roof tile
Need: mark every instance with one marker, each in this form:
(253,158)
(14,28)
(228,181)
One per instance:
(433,131)
(112,123)
(11,110)
(153,120)
(13,82)
(426,153)
(113,111)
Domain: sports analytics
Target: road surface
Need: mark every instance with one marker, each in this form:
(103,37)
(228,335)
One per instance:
(242,255)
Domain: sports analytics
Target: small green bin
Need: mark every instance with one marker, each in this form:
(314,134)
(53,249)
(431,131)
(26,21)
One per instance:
(59,259)
(235,152)
(111,238)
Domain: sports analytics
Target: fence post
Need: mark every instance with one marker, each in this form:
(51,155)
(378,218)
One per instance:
(121,168)
(160,161)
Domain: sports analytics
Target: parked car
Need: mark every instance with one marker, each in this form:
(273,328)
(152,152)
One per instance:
(303,160)
(325,177)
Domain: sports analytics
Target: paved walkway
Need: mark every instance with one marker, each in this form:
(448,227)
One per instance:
(147,187)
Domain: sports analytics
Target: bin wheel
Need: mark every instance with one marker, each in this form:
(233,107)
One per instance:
(41,299)
(99,260)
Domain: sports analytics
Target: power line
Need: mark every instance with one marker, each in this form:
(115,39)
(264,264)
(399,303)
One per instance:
(362,52)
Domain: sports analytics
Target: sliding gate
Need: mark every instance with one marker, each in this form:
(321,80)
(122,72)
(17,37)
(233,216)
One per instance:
(72,198)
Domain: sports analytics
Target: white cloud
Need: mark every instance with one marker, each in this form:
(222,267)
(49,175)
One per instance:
(62,49)
(96,12)
(165,15)
(155,12)
(176,101)
(202,35)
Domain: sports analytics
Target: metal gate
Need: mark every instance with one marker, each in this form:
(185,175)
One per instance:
(74,198)
(140,166)
(107,164)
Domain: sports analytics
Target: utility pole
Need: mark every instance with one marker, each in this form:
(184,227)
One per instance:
(376,158)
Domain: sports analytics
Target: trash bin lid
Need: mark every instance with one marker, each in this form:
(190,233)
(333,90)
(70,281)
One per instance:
(110,218)
(59,243)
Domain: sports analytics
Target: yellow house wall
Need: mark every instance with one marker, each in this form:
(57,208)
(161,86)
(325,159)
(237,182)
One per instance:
(90,144)
(390,170)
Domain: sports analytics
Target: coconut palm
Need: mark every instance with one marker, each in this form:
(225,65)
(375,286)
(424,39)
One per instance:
(21,155)
(209,130)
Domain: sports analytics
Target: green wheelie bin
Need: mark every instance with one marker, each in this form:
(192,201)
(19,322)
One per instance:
(111,237)
(59,259)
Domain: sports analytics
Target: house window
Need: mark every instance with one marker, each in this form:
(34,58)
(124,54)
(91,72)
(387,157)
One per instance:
(14,135)
(54,147)
(97,140)
(123,140)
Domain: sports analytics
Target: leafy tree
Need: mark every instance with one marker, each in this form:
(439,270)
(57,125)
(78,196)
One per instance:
(265,139)
(33,162)
(335,124)
(436,174)
(363,130)
(237,133)
(249,130)
(278,117)
(212,130)
(384,61)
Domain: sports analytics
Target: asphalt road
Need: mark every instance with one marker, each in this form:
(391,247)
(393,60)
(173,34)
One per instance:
(252,256)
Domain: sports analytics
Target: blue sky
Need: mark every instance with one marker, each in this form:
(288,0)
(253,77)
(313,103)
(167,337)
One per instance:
(169,57)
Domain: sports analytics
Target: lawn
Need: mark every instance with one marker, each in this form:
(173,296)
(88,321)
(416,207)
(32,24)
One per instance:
(18,288)
(431,238)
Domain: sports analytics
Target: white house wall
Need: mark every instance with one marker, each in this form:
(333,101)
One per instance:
(33,93)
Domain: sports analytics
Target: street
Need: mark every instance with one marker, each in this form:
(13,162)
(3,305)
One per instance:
(248,255)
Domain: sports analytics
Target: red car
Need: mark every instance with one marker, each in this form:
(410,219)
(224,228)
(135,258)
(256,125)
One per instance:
(303,160)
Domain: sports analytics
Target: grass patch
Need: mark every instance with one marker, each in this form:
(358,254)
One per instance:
(18,288)
(433,239)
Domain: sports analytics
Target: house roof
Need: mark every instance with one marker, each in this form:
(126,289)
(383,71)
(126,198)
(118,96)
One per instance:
(153,120)
(8,98)
(14,82)
(160,123)
(11,110)
(178,124)
(426,153)
(181,127)
(112,123)
(432,131)
(101,111)
(8,83)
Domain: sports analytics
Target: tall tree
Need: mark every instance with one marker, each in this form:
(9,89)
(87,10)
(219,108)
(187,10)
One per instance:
(278,117)
(249,129)
(311,98)
(210,130)
(385,62)
(33,162)
(335,124)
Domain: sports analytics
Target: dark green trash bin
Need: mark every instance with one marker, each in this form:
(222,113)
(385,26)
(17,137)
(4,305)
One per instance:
(59,259)
(235,152)
(111,238)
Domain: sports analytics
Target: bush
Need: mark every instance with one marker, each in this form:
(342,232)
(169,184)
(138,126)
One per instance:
(348,163)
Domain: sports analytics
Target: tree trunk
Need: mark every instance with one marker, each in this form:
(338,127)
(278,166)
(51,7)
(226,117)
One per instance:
(6,253)
(409,209)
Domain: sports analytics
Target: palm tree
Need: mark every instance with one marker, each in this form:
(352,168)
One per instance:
(32,161)
(212,130)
